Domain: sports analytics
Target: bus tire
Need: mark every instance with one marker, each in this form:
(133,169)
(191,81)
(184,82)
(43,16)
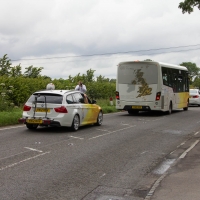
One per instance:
(169,112)
(186,108)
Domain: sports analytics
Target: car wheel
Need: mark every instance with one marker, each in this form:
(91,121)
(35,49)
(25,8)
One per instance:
(31,126)
(99,119)
(75,123)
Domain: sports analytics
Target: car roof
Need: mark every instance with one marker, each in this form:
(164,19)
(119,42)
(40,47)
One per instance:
(61,92)
(194,90)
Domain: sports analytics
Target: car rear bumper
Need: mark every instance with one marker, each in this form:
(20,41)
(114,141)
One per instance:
(44,122)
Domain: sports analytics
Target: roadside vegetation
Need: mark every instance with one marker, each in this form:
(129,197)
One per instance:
(16,87)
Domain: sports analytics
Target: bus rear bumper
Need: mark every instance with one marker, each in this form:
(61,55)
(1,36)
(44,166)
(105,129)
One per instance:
(139,108)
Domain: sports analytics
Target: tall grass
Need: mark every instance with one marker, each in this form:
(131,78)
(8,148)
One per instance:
(11,116)
(105,105)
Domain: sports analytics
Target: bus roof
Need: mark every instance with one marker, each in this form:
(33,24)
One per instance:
(159,63)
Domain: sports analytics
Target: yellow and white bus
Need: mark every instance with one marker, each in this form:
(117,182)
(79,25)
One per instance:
(151,86)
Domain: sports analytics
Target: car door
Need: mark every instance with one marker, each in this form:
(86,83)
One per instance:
(71,108)
(93,111)
(81,108)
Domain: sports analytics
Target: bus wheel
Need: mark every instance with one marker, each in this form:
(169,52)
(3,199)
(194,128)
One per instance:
(133,112)
(186,108)
(170,109)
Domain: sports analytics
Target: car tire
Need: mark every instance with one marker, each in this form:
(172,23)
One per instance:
(75,123)
(32,126)
(99,119)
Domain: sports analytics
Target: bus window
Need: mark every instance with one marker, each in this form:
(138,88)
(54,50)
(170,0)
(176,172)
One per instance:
(165,76)
(174,82)
(170,79)
(180,83)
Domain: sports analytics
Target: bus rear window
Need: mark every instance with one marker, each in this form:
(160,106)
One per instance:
(135,73)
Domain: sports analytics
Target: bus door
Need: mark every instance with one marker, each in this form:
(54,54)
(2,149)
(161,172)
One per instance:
(167,91)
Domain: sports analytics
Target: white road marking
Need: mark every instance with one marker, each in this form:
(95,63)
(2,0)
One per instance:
(196,133)
(172,152)
(11,127)
(144,152)
(33,149)
(102,175)
(156,184)
(102,130)
(17,163)
(190,148)
(181,144)
(77,137)
(110,132)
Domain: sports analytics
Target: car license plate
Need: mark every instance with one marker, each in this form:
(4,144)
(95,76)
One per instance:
(136,107)
(42,110)
(34,121)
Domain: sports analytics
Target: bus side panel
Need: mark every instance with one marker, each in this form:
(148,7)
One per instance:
(181,100)
(167,96)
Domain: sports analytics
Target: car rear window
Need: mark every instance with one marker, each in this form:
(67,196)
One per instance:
(194,91)
(48,98)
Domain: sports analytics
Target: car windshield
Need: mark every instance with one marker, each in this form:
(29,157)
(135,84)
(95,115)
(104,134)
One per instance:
(48,98)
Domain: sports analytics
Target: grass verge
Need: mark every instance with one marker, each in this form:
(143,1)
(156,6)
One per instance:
(11,117)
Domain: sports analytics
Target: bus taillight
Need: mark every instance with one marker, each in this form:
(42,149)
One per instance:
(117,95)
(158,94)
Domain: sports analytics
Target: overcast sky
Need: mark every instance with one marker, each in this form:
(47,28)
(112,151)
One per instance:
(58,35)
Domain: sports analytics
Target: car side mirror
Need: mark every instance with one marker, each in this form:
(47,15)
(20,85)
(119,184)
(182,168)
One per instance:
(94,101)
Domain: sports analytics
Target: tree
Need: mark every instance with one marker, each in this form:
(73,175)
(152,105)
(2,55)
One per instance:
(16,71)
(188,5)
(148,60)
(33,72)
(194,71)
(102,79)
(5,66)
(89,77)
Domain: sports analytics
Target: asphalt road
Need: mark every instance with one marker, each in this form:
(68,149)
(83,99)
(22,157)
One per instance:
(119,160)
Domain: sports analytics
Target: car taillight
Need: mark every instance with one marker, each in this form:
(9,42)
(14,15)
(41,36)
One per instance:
(26,108)
(117,95)
(158,94)
(196,96)
(61,109)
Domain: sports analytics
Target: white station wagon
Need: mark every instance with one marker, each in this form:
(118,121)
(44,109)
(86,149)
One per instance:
(67,108)
(194,97)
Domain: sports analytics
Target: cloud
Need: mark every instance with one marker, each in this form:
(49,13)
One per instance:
(44,29)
